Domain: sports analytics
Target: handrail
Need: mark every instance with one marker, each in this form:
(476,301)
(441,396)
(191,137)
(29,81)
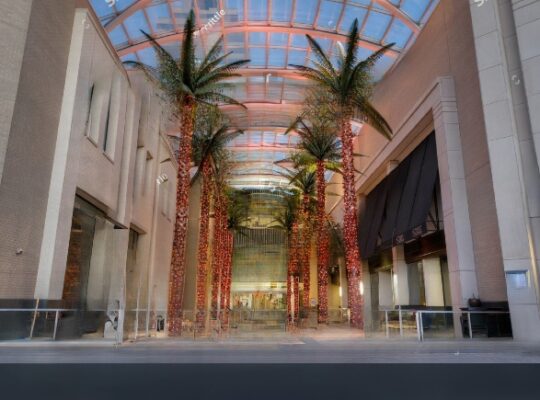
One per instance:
(420,323)
(35,311)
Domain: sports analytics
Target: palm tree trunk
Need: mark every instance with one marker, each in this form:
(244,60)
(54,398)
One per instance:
(289,277)
(224,237)
(350,228)
(322,246)
(202,270)
(292,272)
(178,257)
(217,254)
(226,278)
(306,252)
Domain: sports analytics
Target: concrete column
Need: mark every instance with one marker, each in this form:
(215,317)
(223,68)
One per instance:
(365,285)
(117,277)
(526,15)
(54,247)
(368,306)
(433,283)
(386,298)
(400,277)
(457,226)
(514,165)
(343,283)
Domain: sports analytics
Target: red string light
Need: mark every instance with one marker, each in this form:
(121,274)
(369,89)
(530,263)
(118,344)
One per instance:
(203,247)
(350,229)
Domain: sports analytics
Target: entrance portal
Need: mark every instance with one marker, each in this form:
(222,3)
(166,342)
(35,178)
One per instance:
(259,280)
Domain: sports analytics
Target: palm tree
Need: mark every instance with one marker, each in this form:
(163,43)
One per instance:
(237,206)
(287,221)
(304,181)
(187,83)
(220,176)
(348,86)
(320,149)
(210,137)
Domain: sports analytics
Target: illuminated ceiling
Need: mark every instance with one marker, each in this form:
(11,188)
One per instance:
(272,34)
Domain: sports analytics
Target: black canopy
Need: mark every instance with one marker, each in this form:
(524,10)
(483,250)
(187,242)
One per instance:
(397,208)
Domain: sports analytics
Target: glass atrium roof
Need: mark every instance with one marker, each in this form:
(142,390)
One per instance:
(271,33)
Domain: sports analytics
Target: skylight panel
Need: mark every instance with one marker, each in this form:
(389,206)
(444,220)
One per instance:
(282,10)
(123,4)
(257,38)
(297,57)
(269,138)
(102,8)
(273,92)
(258,10)
(276,58)
(135,23)
(148,56)
(299,41)
(207,9)
(399,34)
(414,8)
(274,80)
(376,25)
(324,43)
(283,140)
(361,2)
(329,15)
(160,18)
(173,49)
(234,11)
(294,140)
(351,13)
(257,55)
(240,156)
(279,39)
(279,155)
(238,53)
(235,39)
(255,138)
(241,140)
(180,9)
(305,12)
(381,67)
(118,36)
(129,57)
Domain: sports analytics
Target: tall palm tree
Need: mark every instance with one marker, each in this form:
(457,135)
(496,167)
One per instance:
(187,82)
(287,220)
(237,206)
(348,85)
(304,181)
(320,149)
(210,137)
(220,177)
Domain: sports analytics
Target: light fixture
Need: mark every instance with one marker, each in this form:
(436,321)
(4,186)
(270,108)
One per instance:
(162,179)
(340,292)
(361,287)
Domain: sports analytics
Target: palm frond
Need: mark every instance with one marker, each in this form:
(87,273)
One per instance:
(187,58)
(374,118)
(320,54)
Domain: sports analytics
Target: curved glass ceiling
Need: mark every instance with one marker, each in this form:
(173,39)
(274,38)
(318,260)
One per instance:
(271,33)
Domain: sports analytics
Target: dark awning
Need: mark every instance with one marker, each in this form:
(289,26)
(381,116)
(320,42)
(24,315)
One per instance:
(397,208)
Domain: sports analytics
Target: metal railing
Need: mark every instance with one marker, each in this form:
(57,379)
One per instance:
(432,324)
(46,323)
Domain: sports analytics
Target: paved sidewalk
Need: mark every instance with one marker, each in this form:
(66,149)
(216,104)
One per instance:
(299,348)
